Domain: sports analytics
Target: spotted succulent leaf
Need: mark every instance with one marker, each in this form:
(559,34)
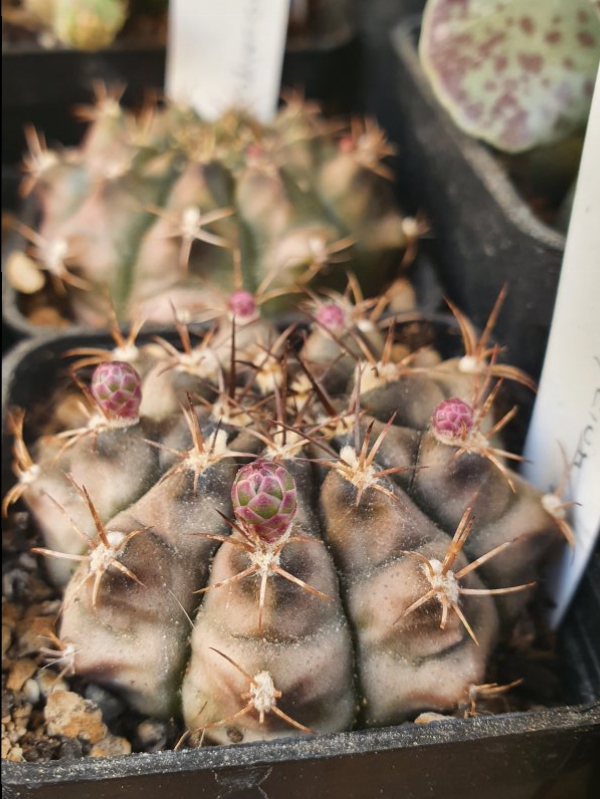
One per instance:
(515,73)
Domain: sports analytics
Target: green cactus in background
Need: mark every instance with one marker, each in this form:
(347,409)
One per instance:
(164,210)
(88,24)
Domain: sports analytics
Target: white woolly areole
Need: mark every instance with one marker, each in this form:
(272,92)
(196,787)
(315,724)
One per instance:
(189,221)
(410,227)
(263,692)
(64,655)
(292,446)
(109,107)
(269,376)
(264,555)
(365,326)
(361,476)
(336,427)
(128,353)
(470,365)
(301,385)
(102,556)
(215,448)
(116,168)
(201,362)
(53,255)
(446,584)
(317,246)
(98,422)
(30,475)
(226,413)
(45,160)
(554,506)
(474,441)
(378,375)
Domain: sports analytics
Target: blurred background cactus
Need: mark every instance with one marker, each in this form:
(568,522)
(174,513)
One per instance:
(79,24)
(162,210)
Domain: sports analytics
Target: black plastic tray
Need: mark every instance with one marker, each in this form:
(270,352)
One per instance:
(542,754)
(485,233)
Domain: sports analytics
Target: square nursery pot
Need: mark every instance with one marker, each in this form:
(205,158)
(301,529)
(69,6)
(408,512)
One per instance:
(545,753)
(485,233)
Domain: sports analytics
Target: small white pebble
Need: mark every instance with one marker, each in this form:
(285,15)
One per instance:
(32,692)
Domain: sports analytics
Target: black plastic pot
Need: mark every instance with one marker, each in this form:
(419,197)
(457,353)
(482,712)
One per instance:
(541,754)
(485,233)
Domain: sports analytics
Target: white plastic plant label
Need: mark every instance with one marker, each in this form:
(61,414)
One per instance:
(227,53)
(566,417)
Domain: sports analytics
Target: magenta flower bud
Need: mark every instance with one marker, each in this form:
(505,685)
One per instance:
(331,317)
(346,144)
(242,304)
(116,387)
(264,498)
(452,419)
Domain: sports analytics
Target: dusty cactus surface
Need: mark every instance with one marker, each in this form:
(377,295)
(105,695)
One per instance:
(516,74)
(164,209)
(259,544)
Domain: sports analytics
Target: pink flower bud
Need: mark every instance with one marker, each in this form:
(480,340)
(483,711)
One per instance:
(116,387)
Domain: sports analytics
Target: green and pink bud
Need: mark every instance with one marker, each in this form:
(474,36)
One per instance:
(264,499)
(452,420)
(116,387)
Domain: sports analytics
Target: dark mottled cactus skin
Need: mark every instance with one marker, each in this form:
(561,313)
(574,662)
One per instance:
(273,555)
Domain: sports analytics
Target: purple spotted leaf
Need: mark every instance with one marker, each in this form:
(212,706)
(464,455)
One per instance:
(515,73)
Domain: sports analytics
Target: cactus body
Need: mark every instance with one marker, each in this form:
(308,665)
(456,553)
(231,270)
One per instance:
(162,212)
(347,559)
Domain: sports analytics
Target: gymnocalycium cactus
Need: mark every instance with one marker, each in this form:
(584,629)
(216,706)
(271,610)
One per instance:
(515,73)
(346,552)
(165,209)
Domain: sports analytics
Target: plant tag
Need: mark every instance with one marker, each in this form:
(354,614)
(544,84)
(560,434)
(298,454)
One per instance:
(566,416)
(224,54)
